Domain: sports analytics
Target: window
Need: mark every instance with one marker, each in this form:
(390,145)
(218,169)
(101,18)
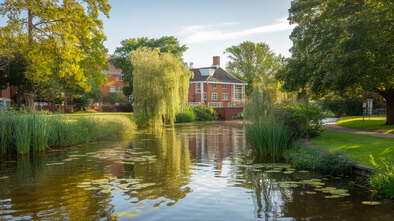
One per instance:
(214,96)
(130,98)
(204,96)
(214,86)
(198,88)
(225,96)
(112,89)
(224,86)
(239,92)
(121,77)
(120,88)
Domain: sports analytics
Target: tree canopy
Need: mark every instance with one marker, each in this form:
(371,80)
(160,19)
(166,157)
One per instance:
(253,63)
(161,86)
(342,46)
(61,40)
(121,55)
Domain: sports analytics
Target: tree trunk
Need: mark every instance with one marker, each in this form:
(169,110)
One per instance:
(30,26)
(390,108)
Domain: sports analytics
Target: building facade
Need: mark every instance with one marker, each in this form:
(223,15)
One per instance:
(114,80)
(215,87)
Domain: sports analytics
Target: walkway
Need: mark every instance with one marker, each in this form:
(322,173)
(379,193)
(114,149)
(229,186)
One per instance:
(333,126)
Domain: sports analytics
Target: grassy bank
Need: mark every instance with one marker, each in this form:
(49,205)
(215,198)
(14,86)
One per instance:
(358,147)
(374,123)
(25,132)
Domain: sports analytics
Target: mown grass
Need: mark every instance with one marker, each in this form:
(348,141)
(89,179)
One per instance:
(25,132)
(373,123)
(359,147)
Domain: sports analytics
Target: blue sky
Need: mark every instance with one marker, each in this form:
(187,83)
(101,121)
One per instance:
(207,27)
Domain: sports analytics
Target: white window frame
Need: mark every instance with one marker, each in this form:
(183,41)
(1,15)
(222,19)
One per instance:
(120,88)
(223,98)
(214,95)
(112,89)
(224,86)
(204,96)
(214,86)
(198,88)
(121,77)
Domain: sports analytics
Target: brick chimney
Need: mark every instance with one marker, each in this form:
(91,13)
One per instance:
(216,61)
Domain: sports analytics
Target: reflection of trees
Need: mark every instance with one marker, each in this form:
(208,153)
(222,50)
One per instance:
(37,190)
(169,172)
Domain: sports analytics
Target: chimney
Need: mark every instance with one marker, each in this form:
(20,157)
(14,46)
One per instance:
(216,61)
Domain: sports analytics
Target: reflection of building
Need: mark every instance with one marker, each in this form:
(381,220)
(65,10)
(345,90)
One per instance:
(215,87)
(216,144)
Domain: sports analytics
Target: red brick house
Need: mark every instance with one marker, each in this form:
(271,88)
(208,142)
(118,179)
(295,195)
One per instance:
(215,87)
(115,80)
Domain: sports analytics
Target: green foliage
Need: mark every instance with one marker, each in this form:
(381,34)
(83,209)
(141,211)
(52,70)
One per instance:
(268,137)
(187,115)
(312,158)
(341,45)
(161,86)
(203,113)
(62,42)
(121,58)
(373,123)
(343,105)
(37,131)
(114,97)
(383,178)
(303,119)
(259,106)
(253,63)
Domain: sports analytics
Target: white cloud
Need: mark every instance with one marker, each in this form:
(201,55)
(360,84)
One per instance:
(205,33)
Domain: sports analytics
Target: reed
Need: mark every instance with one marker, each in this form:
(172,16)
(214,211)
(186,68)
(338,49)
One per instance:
(35,131)
(268,137)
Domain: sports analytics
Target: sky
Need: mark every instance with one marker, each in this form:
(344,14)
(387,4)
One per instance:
(206,27)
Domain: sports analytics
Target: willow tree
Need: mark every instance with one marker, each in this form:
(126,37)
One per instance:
(161,85)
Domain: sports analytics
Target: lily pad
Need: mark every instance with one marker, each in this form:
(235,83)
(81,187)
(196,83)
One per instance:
(371,203)
(311,193)
(333,196)
(288,172)
(272,171)
(303,171)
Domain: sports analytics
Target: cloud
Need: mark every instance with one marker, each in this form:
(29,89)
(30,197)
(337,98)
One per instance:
(205,33)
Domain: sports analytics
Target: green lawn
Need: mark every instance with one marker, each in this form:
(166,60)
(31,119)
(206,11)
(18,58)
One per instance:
(376,124)
(358,147)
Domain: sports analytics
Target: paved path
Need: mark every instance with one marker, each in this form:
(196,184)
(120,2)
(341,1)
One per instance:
(333,126)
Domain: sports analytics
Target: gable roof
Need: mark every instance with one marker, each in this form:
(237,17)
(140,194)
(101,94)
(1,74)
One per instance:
(219,75)
(112,69)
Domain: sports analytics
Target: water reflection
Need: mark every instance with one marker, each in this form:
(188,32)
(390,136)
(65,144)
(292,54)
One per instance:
(193,172)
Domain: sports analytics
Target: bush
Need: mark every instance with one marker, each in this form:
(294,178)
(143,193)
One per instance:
(268,137)
(204,113)
(114,97)
(343,105)
(303,119)
(311,158)
(186,116)
(383,178)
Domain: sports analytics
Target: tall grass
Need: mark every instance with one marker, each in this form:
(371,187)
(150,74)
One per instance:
(268,137)
(25,132)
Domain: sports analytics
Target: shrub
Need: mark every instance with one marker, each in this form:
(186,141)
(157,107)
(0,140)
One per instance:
(268,137)
(204,113)
(343,105)
(311,158)
(383,179)
(114,97)
(186,116)
(303,119)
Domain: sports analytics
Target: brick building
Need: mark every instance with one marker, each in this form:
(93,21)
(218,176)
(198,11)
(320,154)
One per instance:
(214,87)
(115,80)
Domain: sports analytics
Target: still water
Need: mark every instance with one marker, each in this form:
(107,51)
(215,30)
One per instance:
(197,171)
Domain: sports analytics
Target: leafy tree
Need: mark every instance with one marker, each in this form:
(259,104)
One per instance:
(161,86)
(121,56)
(253,63)
(62,40)
(341,46)
(114,97)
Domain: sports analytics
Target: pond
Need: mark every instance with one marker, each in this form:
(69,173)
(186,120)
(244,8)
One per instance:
(197,171)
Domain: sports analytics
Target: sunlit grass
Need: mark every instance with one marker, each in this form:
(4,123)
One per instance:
(373,123)
(359,147)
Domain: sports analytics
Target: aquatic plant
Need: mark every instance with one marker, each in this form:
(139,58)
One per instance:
(268,137)
(383,178)
(186,116)
(35,131)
